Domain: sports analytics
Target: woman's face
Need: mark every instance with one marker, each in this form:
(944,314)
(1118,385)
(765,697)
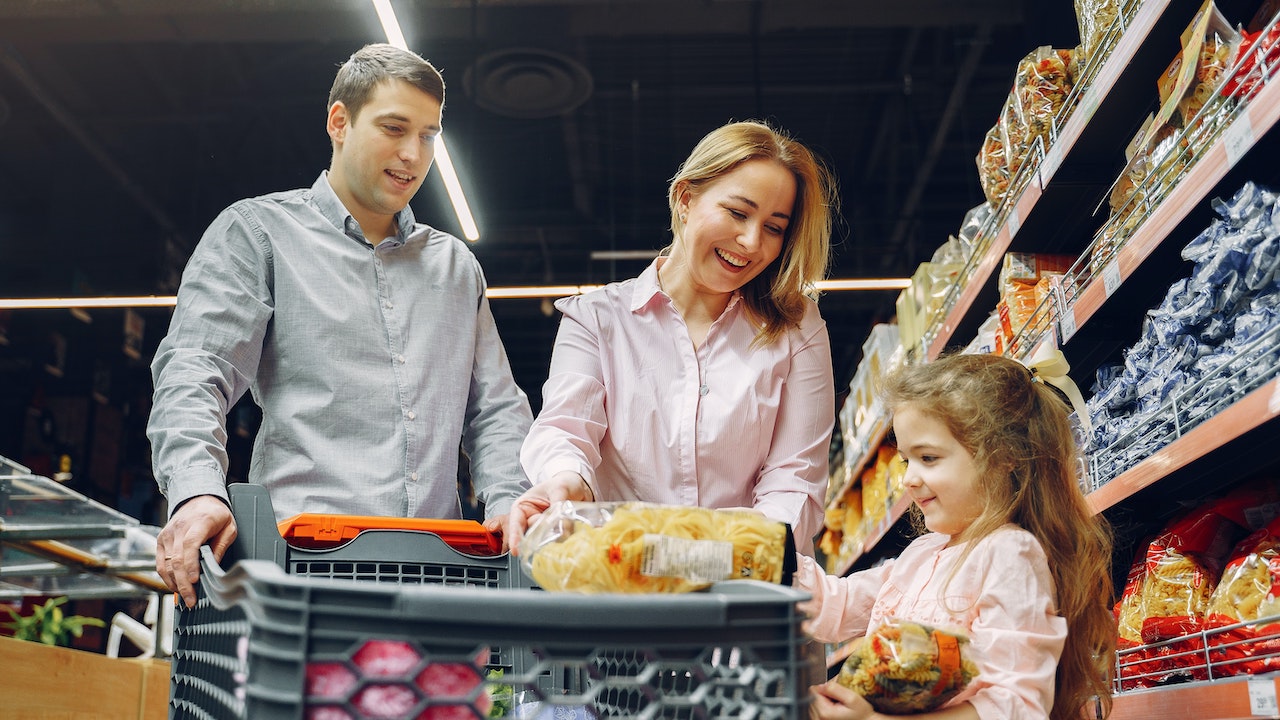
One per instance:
(734,225)
(942,477)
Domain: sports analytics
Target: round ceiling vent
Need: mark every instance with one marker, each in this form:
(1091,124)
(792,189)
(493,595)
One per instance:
(527,83)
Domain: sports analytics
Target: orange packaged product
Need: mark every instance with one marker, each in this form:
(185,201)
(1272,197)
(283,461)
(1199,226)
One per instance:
(319,531)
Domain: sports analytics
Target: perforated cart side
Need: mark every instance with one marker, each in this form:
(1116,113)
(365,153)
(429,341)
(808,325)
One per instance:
(264,643)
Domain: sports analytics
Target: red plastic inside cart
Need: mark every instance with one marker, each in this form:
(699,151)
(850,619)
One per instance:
(319,531)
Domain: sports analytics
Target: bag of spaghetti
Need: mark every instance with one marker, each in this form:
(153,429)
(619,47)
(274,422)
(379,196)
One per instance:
(1249,592)
(634,547)
(906,667)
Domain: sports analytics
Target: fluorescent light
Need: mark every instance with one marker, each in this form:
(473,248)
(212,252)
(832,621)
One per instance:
(519,291)
(623,254)
(864,284)
(450,177)
(96,302)
(540,291)
(391,26)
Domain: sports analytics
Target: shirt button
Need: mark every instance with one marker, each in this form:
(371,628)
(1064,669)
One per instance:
(412,415)
(400,359)
(704,390)
(388,305)
(413,477)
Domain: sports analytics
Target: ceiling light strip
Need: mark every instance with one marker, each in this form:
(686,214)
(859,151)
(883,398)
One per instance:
(864,284)
(391,26)
(497,293)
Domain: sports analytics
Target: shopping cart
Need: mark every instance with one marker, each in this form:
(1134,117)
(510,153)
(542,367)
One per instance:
(398,624)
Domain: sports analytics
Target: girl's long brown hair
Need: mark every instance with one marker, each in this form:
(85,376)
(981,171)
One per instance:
(1017,430)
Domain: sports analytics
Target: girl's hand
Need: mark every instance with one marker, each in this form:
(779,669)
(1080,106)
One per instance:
(834,701)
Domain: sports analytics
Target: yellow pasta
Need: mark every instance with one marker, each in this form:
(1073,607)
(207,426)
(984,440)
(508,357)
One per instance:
(1246,583)
(643,548)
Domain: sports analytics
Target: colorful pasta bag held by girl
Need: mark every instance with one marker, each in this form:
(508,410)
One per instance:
(905,667)
(1012,559)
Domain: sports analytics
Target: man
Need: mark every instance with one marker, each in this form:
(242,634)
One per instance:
(365,338)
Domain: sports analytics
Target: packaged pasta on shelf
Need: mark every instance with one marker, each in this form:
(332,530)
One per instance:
(1040,89)
(1257,56)
(635,547)
(1248,592)
(1096,18)
(906,667)
(993,165)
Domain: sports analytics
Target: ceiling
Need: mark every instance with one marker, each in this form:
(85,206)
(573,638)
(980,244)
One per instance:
(126,125)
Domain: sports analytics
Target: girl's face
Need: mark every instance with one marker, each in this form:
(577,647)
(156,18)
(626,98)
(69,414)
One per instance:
(734,226)
(942,477)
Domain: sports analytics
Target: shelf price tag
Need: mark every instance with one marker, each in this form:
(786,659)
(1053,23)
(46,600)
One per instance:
(1052,160)
(1111,278)
(1067,324)
(1238,138)
(1262,698)
(1015,222)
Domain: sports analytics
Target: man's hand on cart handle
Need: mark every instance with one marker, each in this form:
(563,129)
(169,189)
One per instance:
(200,520)
(529,506)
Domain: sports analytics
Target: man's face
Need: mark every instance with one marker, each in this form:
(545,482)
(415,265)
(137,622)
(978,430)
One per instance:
(382,155)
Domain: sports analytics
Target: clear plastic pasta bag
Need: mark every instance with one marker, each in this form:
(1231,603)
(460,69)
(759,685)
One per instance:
(634,547)
(906,667)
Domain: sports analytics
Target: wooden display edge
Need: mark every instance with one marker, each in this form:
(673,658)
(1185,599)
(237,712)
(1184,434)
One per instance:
(1250,412)
(1240,698)
(1260,115)
(1143,21)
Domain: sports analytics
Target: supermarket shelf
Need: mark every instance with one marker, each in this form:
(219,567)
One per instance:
(1247,129)
(1231,699)
(1079,157)
(891,518)
(1253,410)
(874,440)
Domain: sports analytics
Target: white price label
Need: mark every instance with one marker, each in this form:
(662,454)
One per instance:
(1238,139)
(1015,222)
(1111,277)
(1262,698)
(1088,105)
(1052,160)
(1067,324)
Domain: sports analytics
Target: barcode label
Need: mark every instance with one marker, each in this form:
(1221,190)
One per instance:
(1262,698)
(1111,277)
(1067,324)
(1238,139)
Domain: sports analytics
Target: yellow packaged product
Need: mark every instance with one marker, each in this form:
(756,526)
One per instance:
(634,547)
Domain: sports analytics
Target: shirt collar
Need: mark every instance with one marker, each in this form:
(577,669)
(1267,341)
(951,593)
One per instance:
(646,287)
(327,202)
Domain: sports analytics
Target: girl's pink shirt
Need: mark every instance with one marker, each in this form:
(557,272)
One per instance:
(632,407)
(1002,597)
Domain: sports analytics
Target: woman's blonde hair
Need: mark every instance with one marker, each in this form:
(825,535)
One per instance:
(1017,430)
(776,297)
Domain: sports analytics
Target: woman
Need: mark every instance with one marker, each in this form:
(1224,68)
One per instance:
(706,381)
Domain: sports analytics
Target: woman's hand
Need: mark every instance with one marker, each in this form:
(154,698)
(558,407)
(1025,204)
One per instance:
(833,701)
(530,506)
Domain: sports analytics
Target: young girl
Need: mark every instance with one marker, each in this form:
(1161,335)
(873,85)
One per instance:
(1014,557)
